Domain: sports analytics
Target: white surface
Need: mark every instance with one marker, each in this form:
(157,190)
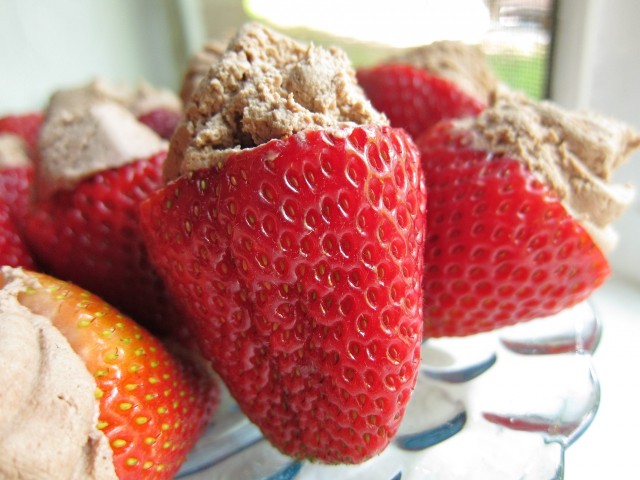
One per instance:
(609,448)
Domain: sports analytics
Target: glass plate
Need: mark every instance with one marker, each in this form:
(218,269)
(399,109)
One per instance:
(499,405)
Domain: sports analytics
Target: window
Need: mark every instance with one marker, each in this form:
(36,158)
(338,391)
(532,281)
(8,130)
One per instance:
(517,34)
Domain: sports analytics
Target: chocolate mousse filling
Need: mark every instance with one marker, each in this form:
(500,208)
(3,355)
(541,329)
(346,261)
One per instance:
(266,86)
(574,153)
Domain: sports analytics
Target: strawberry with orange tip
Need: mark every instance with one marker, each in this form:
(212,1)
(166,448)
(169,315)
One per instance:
(153,404)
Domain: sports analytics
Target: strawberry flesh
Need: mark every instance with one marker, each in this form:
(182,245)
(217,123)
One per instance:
(299,263)
(15,188)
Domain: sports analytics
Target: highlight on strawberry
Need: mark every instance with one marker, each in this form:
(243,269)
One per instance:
(89,393)
(291,232)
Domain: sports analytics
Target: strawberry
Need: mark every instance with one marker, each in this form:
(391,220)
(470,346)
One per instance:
(504,243)
(153,406)
(415,99)
(13,251)
(15,188)
(163,121)
(90,235)
(16,175)
(96,163)
(299,265)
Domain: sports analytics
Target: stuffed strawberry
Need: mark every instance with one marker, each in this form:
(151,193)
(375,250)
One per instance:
(519,213)
(298,259)
(16,173)
(97,162)
(427,84)
(152,405)
(91,236)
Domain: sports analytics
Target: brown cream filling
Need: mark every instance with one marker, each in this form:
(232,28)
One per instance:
(94,128)
(46,390)
(575,153)
(266,86)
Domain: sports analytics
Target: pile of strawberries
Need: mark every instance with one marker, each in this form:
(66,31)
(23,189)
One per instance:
(307,270)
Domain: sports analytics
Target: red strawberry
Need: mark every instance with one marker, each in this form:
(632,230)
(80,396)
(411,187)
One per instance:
(13,251)
(500,247)
(161,120)
(153,406)
(15,188)
(299,263)
(26,126)
(16,176)
(90,235)
(415,99)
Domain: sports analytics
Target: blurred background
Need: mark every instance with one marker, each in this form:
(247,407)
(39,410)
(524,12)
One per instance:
(580,53)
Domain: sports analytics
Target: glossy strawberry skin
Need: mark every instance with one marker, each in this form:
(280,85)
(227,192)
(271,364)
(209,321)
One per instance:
(415,99)
(26,125)
(299,263)
(91,236)
(153,406)
(500,247)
